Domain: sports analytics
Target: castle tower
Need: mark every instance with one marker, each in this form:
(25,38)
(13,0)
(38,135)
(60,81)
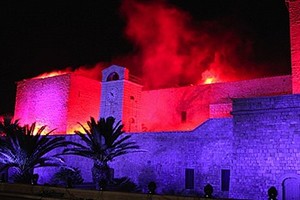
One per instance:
(120,97)
(59,102)
(294,15)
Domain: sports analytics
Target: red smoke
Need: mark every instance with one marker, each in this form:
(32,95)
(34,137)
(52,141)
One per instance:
(173,51)
(93,72)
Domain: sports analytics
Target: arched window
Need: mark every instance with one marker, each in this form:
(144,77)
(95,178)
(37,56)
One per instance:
(113,76)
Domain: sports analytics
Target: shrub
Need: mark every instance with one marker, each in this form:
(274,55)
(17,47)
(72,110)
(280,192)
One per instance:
(67,177)
(124,184)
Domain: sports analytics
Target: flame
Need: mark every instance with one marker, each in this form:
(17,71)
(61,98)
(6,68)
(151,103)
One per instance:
(209,80)
(93,71)
(209,77)
(52,74)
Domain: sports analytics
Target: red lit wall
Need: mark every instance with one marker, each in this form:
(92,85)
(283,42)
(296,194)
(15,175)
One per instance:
(131,106)
(83,101)
(270,86)
(162,110)
(294,10)
(62,101)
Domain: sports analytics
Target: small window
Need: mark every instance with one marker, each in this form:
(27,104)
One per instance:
(131,120)
(189,179)
(225,179)
(183,116)
(113,76)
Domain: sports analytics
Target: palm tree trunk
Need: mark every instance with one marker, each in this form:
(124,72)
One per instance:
(101,175)
(23,177)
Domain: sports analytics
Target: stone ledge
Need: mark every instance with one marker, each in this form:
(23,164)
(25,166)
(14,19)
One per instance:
(23,192)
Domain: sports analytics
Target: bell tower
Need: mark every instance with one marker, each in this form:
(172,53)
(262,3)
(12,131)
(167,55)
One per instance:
(294,15)
(120,97)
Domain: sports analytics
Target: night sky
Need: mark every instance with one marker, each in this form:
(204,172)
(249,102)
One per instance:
(41,36)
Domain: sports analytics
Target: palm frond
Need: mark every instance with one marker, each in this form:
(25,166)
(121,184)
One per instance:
(103,140)
(25,148)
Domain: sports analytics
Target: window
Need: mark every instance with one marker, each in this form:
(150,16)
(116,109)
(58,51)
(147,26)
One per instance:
(189,179)
(183,116)
(131,120)
(225,179)
(113,76)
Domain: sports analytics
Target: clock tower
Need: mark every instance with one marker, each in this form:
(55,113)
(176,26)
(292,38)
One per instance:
(120,97)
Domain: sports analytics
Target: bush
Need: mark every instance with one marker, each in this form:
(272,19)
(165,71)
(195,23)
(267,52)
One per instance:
(124,184)
(67,177)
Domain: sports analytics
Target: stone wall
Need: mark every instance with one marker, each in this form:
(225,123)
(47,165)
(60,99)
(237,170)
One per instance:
(294,10)
(131,106)
(167,105)
(266,144)
(83,101)
(207,150)
(259,145)
(84,164)
(43,101)
(167,155)
(59,102)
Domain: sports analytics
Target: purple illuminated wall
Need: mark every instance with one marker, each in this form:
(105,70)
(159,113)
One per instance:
(84,164)
(207,150)
(266,147)
(43,101)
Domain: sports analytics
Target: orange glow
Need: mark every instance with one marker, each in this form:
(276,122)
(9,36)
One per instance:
(209,80)
(209,77)
(92,71)
(53,73)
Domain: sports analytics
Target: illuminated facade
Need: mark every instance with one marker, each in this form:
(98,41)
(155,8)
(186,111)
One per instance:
(241,137)
(72,98)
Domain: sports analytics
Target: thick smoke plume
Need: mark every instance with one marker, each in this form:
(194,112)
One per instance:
(173,51)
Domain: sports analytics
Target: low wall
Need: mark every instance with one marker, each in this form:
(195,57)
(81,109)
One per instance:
(22,192)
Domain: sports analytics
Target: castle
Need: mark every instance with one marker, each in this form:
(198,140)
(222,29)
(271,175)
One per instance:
(241,137)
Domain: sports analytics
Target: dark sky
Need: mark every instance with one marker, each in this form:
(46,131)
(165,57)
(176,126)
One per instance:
(40,36)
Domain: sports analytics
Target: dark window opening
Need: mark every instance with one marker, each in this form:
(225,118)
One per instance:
(225,179)
(113,77)
(131,120)
(189,179)
(183,116)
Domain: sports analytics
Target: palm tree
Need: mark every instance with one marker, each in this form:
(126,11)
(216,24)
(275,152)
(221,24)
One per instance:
(8,126)
(104,141)
(24,148)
